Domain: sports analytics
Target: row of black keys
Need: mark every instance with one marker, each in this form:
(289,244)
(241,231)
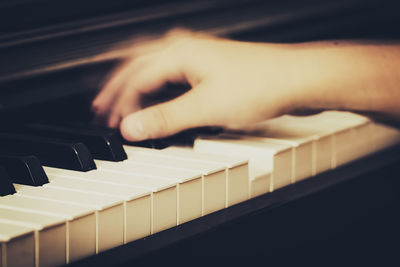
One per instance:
(24,149)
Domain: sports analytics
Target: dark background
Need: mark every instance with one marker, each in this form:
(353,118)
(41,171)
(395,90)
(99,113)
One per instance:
(43,42)
(354,222)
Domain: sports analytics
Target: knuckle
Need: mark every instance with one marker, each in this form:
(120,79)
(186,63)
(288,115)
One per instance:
(179,50)
(181,43)
(177,32)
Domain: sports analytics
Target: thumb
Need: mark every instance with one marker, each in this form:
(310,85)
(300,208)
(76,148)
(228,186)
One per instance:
(165,119)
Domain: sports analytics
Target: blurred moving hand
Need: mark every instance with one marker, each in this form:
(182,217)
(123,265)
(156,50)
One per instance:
(234,83)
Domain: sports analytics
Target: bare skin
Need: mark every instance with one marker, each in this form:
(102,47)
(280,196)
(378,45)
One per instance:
(235,83)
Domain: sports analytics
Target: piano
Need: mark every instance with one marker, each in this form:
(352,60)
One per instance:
(318,189)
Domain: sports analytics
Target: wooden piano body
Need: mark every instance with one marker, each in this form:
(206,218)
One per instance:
(53,56)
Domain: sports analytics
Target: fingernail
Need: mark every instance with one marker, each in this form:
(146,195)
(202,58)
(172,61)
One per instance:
(132,129)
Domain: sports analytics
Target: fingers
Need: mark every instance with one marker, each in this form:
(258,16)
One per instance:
(186,111)
(145,81)
(113,87)
(153,63)
(141,53)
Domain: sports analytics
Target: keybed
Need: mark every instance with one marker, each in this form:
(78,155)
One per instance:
(78,214)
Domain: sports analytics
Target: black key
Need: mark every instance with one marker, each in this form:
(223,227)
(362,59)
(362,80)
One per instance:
(153,143)
(102,144)
(51,152)
(6,186)
(24,170)
(184,138)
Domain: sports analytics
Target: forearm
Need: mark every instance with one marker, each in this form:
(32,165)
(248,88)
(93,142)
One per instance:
(350,76)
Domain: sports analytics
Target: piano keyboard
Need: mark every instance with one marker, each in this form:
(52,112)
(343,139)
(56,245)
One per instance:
(78,213)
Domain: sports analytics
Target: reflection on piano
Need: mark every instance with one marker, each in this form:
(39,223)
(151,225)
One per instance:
(73,193)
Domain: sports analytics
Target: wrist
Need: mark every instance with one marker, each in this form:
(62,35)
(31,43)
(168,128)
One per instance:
(321,77)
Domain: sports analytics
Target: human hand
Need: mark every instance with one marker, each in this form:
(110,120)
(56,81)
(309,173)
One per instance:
(233,83)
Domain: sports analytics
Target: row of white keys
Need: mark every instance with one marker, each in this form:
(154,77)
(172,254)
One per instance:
(139,202)
(311,138)
(80,222)
(266,159)
(50,233)
(319,142)
(237,170)
(349,133)
(353,136)
(365,138)
(105,198)
(109,211)
(150,202)
(284,130)
(17,245)
(260,174)
(188,194)
(209,192)
(310,141)
(239,177)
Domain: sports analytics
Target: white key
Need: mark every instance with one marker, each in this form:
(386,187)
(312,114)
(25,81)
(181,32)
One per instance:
(287,130)
(150,203)
(81,222)
(109,211)
(349,132)
(51,232)
(363,138)
(347,118)
(265,157)
(335,138)
(213,182)
(237,169)
(260,182)
(382,136)
(137,200)
(17,245)
(189,183)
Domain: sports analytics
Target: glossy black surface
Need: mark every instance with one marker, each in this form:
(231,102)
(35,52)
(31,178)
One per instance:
(156,143)
(51,152)
(184,138)
(102,144)
(6,186)
(25,170)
